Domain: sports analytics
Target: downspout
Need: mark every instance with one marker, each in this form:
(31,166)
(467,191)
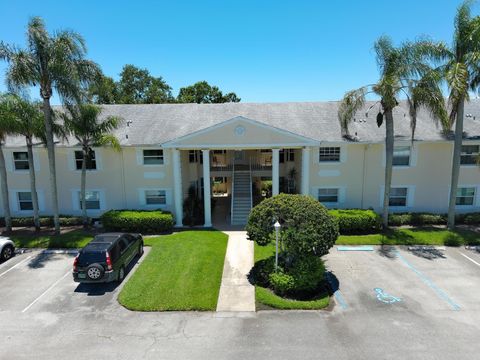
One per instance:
(123,181)
(364,174)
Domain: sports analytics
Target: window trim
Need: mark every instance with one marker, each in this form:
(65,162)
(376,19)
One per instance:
(478,154)
(19,202)
(14,161)
(76,200)
(160,204)
(410,201)
(99,200)
(142,201)
(162,157)
(413,155)
(476,197)
(409,156)
(73,164)
(13,194)
(341,195)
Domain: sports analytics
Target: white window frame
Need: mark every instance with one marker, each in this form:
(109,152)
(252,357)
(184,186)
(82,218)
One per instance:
(474,154)
(72,163)
(142,199)
(140,157)
(76,200)
(413,155)
(14,201)
(14,161)
(341,195)
(10,162)
(91,191)
(409,156)
(162,157)
(476,197)
(410,197)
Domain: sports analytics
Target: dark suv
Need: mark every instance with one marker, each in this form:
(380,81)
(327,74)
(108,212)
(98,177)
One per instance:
(106,257)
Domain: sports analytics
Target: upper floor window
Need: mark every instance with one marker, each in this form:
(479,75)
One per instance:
(328,195)
(195,156)
(398,196)
(20,160)
(286,155)
(465,196)
(91,163)
(153,157)
(401,155)
(155,197)
(25,200)
(470,154)
(92,200)
(329,154)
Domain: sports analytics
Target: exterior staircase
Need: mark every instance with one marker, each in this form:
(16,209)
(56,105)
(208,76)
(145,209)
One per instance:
(241,195)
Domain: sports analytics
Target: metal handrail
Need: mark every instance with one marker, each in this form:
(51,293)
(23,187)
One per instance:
(251,192)
(233,189)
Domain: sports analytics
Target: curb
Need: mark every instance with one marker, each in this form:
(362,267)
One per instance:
(426,247)
(48,251)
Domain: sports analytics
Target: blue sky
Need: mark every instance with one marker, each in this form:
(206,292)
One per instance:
(265,51)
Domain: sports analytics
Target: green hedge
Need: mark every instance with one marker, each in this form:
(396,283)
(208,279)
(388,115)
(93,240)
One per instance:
(416,219)
(142,221)
(357,221)
(45,221)
(469,219)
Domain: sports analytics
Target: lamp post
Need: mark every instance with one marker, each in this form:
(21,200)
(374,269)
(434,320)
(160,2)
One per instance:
(277,227)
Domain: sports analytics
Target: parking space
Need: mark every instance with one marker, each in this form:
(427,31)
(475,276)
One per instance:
(418,280)
(37,281)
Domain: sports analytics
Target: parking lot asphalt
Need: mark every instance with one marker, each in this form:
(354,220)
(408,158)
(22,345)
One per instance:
(391,303)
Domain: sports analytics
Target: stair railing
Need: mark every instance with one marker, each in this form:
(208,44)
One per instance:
(233,191)
(251,191)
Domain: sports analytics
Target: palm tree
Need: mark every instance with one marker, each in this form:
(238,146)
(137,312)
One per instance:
(27,120)
(83,123)
(51,62)
(6,128)
(402,70)
(462,73)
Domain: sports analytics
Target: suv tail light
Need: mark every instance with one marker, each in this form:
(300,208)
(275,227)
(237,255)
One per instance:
(75,263)
(109,262)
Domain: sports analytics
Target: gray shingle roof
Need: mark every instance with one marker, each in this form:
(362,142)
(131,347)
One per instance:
(155,124)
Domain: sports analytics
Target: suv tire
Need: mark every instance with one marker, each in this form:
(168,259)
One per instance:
(95,272)
(7,253)
(140,250)
(121,274)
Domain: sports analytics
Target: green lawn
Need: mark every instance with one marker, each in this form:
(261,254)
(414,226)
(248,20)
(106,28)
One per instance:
(73,239)
(182,271)
(266,297)
(414,236)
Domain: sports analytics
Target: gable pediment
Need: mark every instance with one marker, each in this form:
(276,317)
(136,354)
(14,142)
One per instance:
(240,132)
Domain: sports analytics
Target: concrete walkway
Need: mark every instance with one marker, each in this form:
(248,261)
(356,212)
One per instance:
(236,293)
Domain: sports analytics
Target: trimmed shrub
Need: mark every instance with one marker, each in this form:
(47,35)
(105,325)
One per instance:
(307,227)
(416,219)
(259,275)
(453,240)
(471,219)
(143,221)
(357,221)
(307,274)
(281,283)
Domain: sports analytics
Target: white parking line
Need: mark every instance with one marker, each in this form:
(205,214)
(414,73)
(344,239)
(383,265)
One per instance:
(46,291)
(14,266)
(469,258)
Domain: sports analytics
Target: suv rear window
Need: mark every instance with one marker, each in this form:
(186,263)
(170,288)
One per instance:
(89,257)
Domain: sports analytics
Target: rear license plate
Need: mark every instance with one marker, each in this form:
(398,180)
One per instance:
(81,276)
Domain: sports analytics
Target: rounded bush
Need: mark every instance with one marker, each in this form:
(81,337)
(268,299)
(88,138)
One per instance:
(281,283)
(307,274)
(307,227)
(453,240)
(357,221)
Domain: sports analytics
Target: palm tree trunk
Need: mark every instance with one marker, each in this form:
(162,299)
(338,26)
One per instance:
(33,186)
(4,186)
(51,162)
(389,138)
(83,186)
(457,149)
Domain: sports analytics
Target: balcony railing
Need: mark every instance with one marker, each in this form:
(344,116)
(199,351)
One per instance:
(255,164)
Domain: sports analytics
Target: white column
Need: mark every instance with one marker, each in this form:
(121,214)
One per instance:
(305,171)
(206,189)
(275,171)
(177,188)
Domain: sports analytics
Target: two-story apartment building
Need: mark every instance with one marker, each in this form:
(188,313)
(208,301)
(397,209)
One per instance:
(168,148)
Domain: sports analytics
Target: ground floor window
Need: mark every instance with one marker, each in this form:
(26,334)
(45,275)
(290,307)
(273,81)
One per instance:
(92,200)
(465,196)
(155,197)
(20,160)
(328,195)
(398,196)
(24,200)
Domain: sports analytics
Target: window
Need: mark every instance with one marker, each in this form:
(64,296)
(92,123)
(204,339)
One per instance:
(465,196)
(469,154)
(401,156)
(155,197)
(398,197)
(195,156)
(219,151)
(20,160)
(329,154)
(91,162)
(328,195)
(287,155)
(219,180)
(92,200)
(25,200)
(153,157)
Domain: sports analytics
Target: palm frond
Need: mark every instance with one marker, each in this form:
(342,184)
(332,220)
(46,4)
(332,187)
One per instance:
(352,102)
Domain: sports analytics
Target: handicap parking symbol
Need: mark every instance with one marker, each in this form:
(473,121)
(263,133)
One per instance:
(386,297)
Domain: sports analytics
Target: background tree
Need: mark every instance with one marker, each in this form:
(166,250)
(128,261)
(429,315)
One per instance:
(402,70)
(51,62)
(103,91)
(26,119)
(203,93)
(84,124)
